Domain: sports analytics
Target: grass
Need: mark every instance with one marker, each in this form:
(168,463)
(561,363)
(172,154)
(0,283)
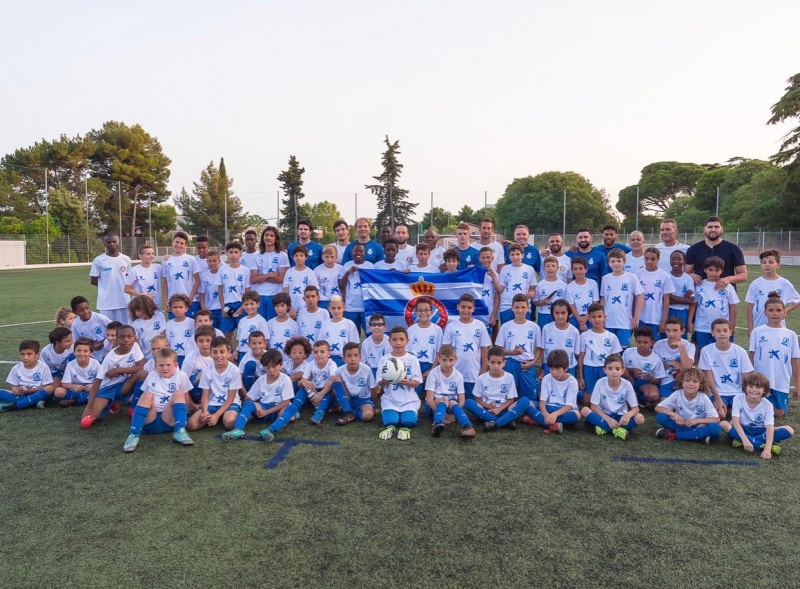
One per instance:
(509,509)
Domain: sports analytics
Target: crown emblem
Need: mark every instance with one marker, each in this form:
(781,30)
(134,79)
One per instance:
(422,288)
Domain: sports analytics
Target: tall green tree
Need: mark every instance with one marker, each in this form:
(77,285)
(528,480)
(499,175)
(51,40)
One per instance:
(538,202)
(394,208)
(291,180)
(438,218)
(323,215)
(659,185)
(204,210)
(788,109)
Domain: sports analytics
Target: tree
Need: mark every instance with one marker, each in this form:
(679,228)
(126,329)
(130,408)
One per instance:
(659,185)
(68,212)
(291,181)
(256,222)
(11,226)
(165,218)
(324,214)
(205,208)
(788,109)
(437,218)
(538,202)
(394,207)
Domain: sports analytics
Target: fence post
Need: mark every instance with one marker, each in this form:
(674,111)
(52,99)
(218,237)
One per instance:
(790,241)
(69,255)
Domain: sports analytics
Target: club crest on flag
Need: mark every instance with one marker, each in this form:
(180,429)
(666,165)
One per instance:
(425,289)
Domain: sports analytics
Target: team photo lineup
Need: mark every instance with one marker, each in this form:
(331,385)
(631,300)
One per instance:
(609,335)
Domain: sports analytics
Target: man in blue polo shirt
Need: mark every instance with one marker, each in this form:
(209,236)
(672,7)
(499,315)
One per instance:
(314,258)
(735,270)
(373,251)
(610,242)
(468,255)
(530,255)
(594,257)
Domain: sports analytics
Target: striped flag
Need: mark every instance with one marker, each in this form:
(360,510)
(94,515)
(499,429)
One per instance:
(394,294)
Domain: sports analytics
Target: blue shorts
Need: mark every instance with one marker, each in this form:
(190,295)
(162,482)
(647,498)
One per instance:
(359,402)
(779,400)
(323,304)
(216,318)
(653,327)
(57,374)
(726,399)
(702,339)
(591,374)
(623,335)
(228,324)
(574,322)
(112,393)
(544,318)
(193,309)
(507,316)
(666,389)
(265,308)
(157,426)
(359,318)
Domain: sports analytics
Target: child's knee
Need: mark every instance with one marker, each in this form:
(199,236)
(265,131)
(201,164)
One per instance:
(779,412)
(60,392)
(638,419)
(585,412)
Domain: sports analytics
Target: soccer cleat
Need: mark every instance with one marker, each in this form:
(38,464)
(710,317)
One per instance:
(437,429)
(88,421)
(599,430)
(345,419)
(706,440)
(528,420)
(234,434)
(114,409)
(404,434)
(666,434)
(317,418)
(387,432)
(266,435)
(621,433)
(67,402)
(737,444)
(489,426)
(131,443)
(556,428)
(468,433)
(182,438)
(512,425)
(7,407)
(776,450)
(40,404)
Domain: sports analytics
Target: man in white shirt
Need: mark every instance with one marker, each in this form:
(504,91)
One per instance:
(108,273)
(485,240)
(669,243)
(406,254)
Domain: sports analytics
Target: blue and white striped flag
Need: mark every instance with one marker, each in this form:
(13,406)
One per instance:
(394,294)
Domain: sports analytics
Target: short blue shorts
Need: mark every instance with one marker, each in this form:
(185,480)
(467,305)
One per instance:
(779,400)
(157,426)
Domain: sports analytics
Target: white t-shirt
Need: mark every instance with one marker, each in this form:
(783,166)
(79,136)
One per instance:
(515,280)
(759,291)
(667,354)
(297,281)
(288,367)
(74,374)
(596,347)
(499,257)
(545,288)
(111,273)
(619,293)
(650,365)
(260,370)
(94,329)
(209,288)
(487,295)
(235,282)
(559,392)
(55,362)
(655,285)
(495,390)
(248,325)
(682,284)
(712,304)
(437,254)
(424,342)
(582,295)
(407,256)
(384,265)
(38,376)
(666,251)
(564,267)
(116,360)
(371,353)
(397,397)
(266,263)
(281,332)
(339,251)
(147,329)
(361,383)
(319,376)
(328,280)
(354,297)
(272,393)
(727,367)
(180,334)
(759,416)
(614,401)
(309,323)
(146,281)
(527,336)
(445,387)
(179,272)
(467,339)
(700,407)
(249,261)
(773,351)
(428,269)
(163,388)
(633,264)
(554,338)
(194,364)
(220,384)
(337,334)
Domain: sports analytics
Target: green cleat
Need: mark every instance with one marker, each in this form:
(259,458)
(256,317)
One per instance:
(599,430)
(234,434)
(621,433)
(266,435)
(40,404)
(131,443)
(182,438)
(404,434)
(776,450)
(737,444)
(7,407)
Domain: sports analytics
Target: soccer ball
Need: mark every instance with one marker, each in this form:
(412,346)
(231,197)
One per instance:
(393,370)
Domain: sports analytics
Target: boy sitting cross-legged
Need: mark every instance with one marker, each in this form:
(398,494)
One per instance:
(30,380)
(558,399)
(220,384)
(496,401)
(614,407)
(355,383)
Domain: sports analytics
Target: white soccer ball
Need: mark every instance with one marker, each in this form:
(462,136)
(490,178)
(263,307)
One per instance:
(393,370)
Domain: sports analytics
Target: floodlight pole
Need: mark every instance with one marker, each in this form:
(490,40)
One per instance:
(564,222)
(47,215)
(717,213)
(637,208)
(119,197)
(86,193)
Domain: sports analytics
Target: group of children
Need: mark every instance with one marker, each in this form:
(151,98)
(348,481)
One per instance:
(188,372)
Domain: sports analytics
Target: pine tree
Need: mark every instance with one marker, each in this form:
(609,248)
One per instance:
(393,205)
(292,185)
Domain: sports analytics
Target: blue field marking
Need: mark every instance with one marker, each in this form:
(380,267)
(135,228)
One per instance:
(686,461)
(286,447)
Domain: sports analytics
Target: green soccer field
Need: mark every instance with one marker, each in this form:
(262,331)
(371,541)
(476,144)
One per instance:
(336,507)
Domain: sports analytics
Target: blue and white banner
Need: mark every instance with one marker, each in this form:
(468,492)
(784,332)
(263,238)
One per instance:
(394,294)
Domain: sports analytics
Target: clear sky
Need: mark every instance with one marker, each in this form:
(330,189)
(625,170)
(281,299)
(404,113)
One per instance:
(478,93)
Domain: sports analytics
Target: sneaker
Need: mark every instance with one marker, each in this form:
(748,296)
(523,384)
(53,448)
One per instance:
(737,444)
(512,425)
(131,443)
(528,420)
(345,419)
(67,402)
(556,428)
(114,409)
(666,434)
(234,434)
(706,440)
(489,426)
(182,438)
(266,435)
(40,404)
(620,432)
(776,450)
(317,418)
(88,421)
(437,430)
(599,430)
(7,407)
(404,434)
(468,432)
(387,432)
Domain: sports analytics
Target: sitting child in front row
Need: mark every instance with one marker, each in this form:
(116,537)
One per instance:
(688,413)
(752,423)
(614,407)
(558,400)
(78,375)
(495,399)
(30,380)
(219,385)
(444,389)
(355,387)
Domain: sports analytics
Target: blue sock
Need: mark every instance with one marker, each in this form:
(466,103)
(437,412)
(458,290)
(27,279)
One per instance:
(138,419)
(569,418)
(179,411)
(283,420)
(322,408)
(598,421)
(462,418)
(516,411)
(481,413)
(300,398)
(341,396)
(244,415)
(30,400)
(72,395)
(781,434)
(441,410)
(535,415)
(83,398)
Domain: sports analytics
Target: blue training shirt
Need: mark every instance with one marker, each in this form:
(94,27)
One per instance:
(314,258)
(373,252)
(598,265)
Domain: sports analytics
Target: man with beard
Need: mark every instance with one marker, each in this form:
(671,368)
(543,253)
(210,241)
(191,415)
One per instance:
(342,232)
(373,251)
(314,249)
(530,255)
(596,259)
(555,248)
(735,270)
(669,243)
(485,240)
(406,255)
(610,242)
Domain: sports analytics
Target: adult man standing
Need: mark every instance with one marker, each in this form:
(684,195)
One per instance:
(594,257)
(669,243)
(437,251)
(373,251)
(108,274)
(342,231)
(250,252)
(386,233)
(530,255)
(314,258)
(555,248)
(610,241)
(485,240)
(735,270)
(406,255)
